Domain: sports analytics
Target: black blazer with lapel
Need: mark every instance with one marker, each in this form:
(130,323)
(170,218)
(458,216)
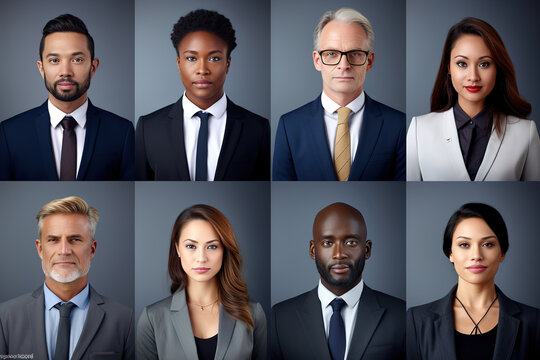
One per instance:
(430,330)
(26,151)
(108,332)
(160,151)
(297,328)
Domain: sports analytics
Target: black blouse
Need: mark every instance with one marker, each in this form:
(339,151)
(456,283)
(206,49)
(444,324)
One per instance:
(206,348)
(474,136)
(475,347)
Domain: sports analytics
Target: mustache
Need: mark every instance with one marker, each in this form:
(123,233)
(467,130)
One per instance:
(66,80)
(65,259)
(346,263)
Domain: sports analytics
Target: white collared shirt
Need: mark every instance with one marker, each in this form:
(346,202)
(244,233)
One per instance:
(216,133)
(355,121)
(348,312)
(57,131)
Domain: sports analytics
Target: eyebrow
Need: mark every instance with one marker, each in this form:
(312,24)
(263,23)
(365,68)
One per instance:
(208,242)
(52,236)
(484,238)
(196,52)
(481,57)
(72,54)
(348,236)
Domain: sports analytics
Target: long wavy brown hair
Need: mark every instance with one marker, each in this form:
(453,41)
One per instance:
(232,290)
(504,98)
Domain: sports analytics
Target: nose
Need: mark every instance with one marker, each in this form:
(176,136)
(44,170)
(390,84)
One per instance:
(343,62)
(473,74)
(65,247)
(66,69)
(202,68)
(201,255)
(476,254)
(337,251)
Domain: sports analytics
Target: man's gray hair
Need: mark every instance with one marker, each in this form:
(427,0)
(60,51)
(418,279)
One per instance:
(346,15)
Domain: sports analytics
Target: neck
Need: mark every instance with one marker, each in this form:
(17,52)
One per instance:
(202,293)
(339,290)
(471,109)
(204,104)
(476,295)
(342,99)
(66,291)
(67,106)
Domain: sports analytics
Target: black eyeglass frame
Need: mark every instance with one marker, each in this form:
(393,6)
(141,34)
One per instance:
(346,53)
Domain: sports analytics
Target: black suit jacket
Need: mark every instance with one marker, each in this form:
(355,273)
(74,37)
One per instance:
(161,153)
(430,330)
(107,332)
(26,151)
(297,328)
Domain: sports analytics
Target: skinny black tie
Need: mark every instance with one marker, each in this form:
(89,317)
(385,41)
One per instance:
(336,335)
(62,341)
(201,170)
(68,159)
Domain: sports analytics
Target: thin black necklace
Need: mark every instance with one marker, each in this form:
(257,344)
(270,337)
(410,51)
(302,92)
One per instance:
(476,329)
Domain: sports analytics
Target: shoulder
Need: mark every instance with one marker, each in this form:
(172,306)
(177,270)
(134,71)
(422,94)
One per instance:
(245,113)
(388,301)
(24,118)
(160,309)
(160,113)
(256,311)
(426,311)
(112,307)
(387,111)
(16,305)
(111,119)
(293,304)
(303,111)
(522,125)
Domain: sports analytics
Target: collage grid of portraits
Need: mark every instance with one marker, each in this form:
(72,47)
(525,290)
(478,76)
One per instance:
(271,73)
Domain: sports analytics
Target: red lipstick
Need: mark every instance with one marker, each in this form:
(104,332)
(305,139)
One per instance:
(473,89)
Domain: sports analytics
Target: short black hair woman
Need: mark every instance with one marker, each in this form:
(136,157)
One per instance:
(209,314)
(475,320)
(477,128)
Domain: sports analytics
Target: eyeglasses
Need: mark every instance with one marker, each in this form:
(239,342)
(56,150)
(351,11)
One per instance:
(354,57)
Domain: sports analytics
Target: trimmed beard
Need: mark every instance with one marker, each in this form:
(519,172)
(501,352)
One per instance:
(80,90)
(355,274)
(71,277)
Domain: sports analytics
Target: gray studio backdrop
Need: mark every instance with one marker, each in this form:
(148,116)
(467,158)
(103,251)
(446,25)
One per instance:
(295,81)
(294,206)
(111,25)
(158,204)
(428,22)
(112,269)
(430,275)
(157,80)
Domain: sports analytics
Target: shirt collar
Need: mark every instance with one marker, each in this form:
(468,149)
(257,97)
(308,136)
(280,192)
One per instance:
(217,109)
(56,115)
(81,299)
(351,297)
(481,119)
(331,106)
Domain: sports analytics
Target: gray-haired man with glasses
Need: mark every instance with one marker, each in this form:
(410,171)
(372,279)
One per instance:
(343,134)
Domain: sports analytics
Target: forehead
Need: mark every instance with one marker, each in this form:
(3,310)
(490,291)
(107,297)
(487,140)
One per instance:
(202,41)
(473,227)
(472,45)
(65,42)
(199,230)
(335,223)
(339,33)
(58,224)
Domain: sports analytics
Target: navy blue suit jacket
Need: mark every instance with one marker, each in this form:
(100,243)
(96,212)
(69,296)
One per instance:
(161,152)
(302,153)
(430,330)
(26,151)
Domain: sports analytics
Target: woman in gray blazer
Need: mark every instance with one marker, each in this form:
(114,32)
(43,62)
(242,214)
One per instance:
(475,320)
(208,315)
(477,128)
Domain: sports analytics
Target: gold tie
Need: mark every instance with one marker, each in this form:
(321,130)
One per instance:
(342,145)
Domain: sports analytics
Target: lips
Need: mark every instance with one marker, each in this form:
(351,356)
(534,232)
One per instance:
(201,270)
(66,84)
(477,268)
(340,268)
(473,89)
(202,84)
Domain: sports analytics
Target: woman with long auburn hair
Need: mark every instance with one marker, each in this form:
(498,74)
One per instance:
(477,128)
(209,314)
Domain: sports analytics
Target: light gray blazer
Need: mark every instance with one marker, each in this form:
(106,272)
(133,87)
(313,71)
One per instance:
(107,332)
(164,332)
(434,154)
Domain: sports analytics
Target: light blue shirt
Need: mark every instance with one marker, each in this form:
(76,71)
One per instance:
(52,318)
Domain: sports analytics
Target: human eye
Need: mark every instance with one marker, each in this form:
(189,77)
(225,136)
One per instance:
(214,58)
(191,58)
(484,64)
(190,246)
(488,244)
(78,60)
(212,247)
(461,64)
(327,243)
(54,60)
(351,242)
(463,245)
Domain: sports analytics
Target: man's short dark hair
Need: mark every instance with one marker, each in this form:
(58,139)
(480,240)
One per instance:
(204,20)
(477,210)
(66,23)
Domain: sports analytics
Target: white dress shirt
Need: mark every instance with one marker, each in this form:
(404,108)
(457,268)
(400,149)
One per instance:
(355,120)
(348,312)
(216,133)
(57,131)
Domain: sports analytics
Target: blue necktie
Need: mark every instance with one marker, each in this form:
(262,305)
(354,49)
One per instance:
(201,170)
(336,335)
(61,351)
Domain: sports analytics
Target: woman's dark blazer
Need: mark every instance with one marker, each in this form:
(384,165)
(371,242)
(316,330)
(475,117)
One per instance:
(430,330)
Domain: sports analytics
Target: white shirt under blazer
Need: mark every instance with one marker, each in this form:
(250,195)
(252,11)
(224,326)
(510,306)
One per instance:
(434,154)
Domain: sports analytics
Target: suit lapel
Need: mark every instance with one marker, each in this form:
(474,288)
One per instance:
(368,316)
(225,332)
(312,327)
(36,319)
(43,129)
(233,129)
(492,149)
(450,146)
(94,318)
(508,328)
(443,326)
(178,147)
(182,325)
(92,127)
(319,142)
(372,123)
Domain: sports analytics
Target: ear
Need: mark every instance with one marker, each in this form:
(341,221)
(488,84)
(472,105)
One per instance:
(95,64)
(451,258)
(370,60)
(502,257)
(368,249)
(40,68)
(228,65)
(39,248)
(317,61)
(177,249)
(312,249)
(93,247)
(178,65)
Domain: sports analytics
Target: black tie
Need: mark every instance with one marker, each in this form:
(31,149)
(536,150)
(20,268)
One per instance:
(62,341)
(201,170)
(68,159)
(336,335)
